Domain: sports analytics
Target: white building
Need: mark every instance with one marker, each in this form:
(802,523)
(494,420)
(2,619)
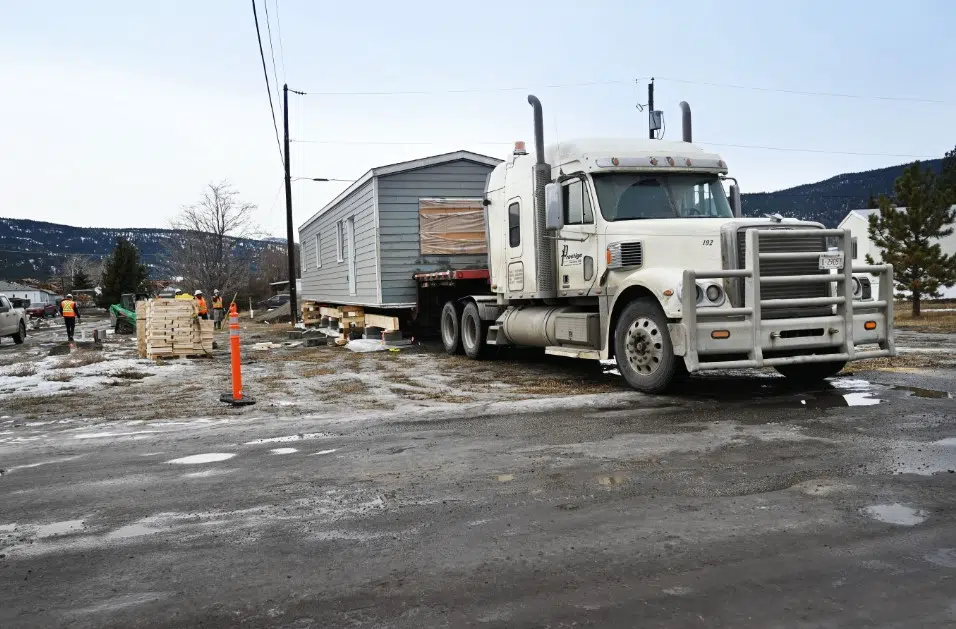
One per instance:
(857,221)
(35,295)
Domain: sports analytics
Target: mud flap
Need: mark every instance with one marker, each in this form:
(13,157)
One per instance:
(678,338)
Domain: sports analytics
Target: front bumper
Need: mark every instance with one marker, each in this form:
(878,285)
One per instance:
(738,337)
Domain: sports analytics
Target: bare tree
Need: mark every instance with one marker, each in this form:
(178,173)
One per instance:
(215,250)
(79,270)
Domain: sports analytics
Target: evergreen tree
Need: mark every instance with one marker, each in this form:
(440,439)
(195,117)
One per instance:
(908,239)
(947,177)
(81,280)
(123,273)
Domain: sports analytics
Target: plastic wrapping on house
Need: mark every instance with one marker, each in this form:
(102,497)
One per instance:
(452,227)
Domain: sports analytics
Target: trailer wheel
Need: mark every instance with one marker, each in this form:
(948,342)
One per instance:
(811,373)
(474,333)
(642,347)
(451,327)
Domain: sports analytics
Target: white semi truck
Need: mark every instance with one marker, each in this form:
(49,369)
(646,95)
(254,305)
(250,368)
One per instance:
(632,250)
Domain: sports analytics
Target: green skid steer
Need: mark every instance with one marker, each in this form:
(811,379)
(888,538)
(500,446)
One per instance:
(123,314)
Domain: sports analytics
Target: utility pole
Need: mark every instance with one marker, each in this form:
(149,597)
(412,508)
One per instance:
(650,108)
(290,236)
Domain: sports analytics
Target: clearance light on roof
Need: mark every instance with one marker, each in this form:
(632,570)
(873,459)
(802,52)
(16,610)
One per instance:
(646,162)
(520,148)
(670,160)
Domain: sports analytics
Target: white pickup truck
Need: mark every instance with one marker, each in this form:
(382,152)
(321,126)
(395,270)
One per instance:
(13,321)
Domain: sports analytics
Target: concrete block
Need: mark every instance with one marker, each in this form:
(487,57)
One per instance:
(295,334)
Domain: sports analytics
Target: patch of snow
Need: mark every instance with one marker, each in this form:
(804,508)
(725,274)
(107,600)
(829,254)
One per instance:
(324,452)
(283,450)
(895,514)
(212,457)
(58,528)
(289,438)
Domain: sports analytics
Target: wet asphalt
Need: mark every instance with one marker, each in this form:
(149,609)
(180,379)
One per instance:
(740,502)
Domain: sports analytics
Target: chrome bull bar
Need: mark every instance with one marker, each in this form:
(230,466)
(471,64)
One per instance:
(747,318)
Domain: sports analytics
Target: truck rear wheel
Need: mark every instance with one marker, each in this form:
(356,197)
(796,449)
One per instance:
(451,327)
(811,373)
(642,347)
(474,332)
(21,334)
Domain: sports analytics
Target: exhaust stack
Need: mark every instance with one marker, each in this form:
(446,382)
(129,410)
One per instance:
(545,275)
(686,129)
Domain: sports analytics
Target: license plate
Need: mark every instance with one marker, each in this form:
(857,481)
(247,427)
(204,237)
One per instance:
(830,261)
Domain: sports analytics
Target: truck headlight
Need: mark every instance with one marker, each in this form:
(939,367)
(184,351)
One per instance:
(714,294)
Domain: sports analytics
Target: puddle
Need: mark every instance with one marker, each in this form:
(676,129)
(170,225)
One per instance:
(324,452)
(615,479)
(928,393)
(945,557)
(283,450)
(59,528)
(212,457)
(922,458)
(286,439)
(858,392)
(504,478)
(895,514)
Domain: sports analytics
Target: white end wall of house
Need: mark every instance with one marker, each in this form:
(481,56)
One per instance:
(858,224)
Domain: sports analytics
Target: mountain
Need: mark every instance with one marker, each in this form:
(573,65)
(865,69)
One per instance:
(830,200)
(36,249)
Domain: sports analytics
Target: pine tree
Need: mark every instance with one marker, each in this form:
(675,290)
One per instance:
(81,280)
(123,273)
(908,239)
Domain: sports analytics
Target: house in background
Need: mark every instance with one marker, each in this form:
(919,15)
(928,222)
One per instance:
(857,221)
(364,247)
(35,295)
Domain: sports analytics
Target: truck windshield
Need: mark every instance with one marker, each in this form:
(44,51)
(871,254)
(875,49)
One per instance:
(635,196)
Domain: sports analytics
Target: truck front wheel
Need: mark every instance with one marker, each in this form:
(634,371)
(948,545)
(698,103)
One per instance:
(451,327)
(642,347)
(474,332)
(811,373)
(21,334)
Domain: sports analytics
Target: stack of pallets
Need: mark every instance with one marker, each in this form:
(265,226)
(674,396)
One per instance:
(171,328)
(310,313)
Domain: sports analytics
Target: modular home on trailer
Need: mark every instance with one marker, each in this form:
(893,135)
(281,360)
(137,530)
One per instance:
(365,247)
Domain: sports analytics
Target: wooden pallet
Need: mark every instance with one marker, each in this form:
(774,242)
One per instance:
(171,328)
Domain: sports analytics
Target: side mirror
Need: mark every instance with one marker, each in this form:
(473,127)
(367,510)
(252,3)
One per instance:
(554,206)
(735,202)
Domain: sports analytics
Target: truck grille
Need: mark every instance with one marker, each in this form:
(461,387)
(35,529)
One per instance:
(779,241)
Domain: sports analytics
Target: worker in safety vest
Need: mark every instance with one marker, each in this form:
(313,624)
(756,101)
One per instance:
(218,312)
(203,308)
(71,314)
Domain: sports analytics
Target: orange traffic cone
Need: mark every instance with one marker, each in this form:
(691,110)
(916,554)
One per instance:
(236,398)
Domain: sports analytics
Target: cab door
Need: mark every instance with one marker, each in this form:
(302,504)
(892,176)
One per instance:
(577,241)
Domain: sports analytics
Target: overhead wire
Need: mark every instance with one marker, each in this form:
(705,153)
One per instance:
(272,52)
(265,72)
(279,36)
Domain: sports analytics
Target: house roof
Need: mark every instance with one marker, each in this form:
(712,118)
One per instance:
(13,286)
(400,167)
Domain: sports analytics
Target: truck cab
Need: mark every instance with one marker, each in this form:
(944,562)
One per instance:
(634,249)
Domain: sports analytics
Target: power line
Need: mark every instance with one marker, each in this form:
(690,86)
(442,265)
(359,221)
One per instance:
(265,72)
(467,90)
(904,99)
(279,33)
(496,143)
(272,50)
(821,151)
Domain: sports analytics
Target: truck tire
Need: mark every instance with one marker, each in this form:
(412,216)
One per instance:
(474,332)
(451,327)
(21,334)
(642,347)
(811,373)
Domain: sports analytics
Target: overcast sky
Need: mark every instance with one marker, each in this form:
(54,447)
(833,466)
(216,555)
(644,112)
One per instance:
(118,113)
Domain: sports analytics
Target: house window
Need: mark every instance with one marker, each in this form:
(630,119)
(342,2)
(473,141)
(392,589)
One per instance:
(853,245)
(318,252)
(577,204)
(514,225)
(340,241)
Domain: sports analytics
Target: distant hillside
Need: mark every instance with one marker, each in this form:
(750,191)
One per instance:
(830,200)
(35,249)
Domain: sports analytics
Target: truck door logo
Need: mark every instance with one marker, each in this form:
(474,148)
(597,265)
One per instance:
(570,259)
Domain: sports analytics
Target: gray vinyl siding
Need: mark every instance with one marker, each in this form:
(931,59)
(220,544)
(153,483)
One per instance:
(398,197)
(329,283)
